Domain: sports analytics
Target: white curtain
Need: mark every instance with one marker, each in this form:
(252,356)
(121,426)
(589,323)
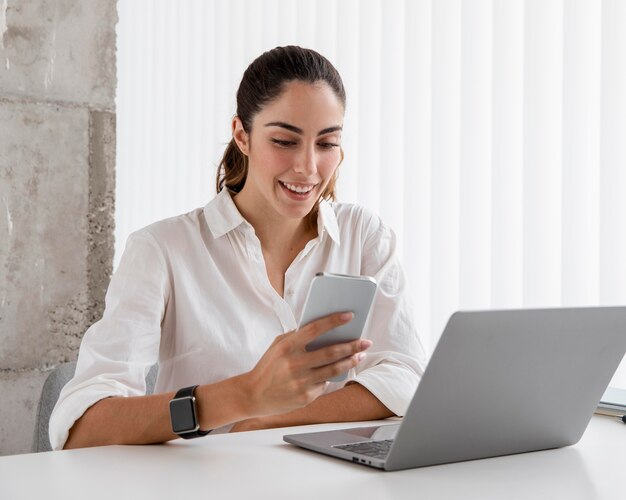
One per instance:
(491,135)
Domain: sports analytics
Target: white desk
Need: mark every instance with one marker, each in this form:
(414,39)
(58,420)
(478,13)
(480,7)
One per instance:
(260,465)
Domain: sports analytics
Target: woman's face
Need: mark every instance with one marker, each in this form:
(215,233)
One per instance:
(293,149)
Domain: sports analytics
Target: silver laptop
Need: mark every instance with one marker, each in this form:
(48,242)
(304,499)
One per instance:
(498,383)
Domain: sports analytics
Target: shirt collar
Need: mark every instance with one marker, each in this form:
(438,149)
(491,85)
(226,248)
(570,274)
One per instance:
(221,214)
(327,221)
(222,217)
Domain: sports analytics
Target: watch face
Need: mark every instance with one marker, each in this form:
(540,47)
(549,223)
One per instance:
(182,415)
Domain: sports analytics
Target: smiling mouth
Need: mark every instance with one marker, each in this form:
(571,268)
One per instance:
(302,190)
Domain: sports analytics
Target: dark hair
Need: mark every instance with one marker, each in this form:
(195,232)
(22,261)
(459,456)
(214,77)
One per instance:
(262,82)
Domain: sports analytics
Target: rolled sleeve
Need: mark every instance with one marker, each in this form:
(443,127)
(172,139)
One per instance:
(117,352)
(393,380)
(395,363)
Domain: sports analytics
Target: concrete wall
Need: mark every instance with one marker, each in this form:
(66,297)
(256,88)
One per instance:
(57,159)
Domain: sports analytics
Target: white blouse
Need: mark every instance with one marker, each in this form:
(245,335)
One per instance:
(192,293)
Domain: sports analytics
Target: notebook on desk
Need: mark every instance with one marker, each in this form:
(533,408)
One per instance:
(498,383)
(612,402)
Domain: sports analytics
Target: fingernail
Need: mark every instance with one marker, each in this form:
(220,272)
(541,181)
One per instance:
(366,344)
(360,357)
(346,316)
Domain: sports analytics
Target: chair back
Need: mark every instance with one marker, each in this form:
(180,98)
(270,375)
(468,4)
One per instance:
(57,379)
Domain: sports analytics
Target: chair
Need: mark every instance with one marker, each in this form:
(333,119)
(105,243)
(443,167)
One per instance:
(57,379)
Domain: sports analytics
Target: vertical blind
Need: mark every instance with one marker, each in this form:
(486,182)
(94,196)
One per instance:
(490,135)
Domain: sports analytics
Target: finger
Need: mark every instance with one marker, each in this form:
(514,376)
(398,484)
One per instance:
(329,371)
(320,326)
(336,352)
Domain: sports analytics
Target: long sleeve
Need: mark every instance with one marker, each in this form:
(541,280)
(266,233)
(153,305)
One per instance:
(117,351)
(396,361)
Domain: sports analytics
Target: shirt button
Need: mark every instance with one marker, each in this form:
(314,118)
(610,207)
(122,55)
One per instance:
(290,291)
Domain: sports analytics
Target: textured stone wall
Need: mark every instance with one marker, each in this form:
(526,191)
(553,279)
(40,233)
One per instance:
(57,159)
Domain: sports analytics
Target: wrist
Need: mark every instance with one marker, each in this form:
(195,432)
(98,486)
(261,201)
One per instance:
(225,402)
(243,393)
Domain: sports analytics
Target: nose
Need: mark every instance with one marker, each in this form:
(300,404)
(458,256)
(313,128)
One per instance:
(307,162)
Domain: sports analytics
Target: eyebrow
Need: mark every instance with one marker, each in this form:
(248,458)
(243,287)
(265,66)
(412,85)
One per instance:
(297,130)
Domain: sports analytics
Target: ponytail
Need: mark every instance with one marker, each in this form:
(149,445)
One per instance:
(233,169)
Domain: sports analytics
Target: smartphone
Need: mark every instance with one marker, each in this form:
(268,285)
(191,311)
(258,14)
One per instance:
(332,293)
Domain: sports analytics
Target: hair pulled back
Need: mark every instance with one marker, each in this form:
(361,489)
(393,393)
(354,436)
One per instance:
(262,82)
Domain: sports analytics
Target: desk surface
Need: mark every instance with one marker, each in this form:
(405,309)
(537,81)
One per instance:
(260,465)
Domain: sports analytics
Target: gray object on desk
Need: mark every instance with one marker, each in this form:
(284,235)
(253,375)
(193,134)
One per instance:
(613,402)
(55,381)
(498,383)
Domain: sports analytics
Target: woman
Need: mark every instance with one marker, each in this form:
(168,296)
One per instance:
(206,293)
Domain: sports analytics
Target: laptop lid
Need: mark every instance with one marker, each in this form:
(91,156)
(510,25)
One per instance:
(504,382)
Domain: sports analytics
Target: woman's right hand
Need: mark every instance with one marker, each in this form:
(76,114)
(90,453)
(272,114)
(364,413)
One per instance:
(288,376)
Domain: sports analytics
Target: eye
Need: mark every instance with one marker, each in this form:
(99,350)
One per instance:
(327,145)
(282,143)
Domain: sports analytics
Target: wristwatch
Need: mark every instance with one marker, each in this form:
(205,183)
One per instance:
(184,416)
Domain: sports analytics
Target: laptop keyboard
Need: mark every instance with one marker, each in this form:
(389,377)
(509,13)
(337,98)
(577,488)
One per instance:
(375,449)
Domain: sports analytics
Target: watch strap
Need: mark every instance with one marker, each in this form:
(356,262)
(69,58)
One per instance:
(188,392)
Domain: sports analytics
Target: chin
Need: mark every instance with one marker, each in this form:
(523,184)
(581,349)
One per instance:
(295,212)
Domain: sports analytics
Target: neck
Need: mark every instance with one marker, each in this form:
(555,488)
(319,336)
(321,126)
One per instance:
(274,230)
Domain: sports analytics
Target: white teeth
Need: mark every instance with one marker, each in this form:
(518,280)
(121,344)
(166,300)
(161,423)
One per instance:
(297,189)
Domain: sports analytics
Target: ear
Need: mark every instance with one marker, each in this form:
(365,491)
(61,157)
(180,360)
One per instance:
(241,136)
